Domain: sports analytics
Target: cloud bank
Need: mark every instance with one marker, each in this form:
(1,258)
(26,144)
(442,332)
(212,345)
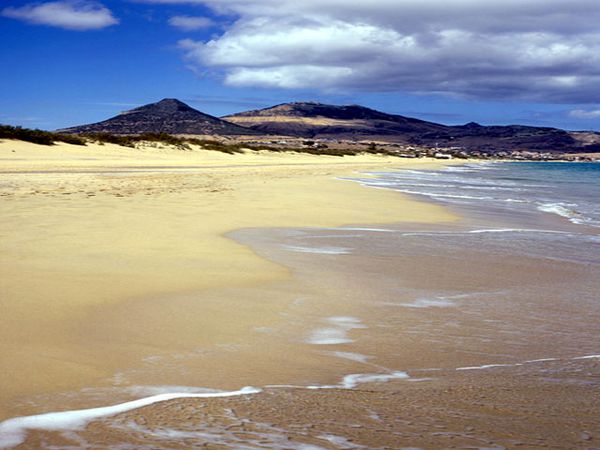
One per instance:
(70,15)
(539,50)
(585,114)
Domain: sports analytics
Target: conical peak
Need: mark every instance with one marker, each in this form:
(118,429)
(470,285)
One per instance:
(170,101)
(167,105)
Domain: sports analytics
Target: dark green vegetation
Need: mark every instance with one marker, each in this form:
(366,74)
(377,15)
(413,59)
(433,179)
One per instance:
(38,136)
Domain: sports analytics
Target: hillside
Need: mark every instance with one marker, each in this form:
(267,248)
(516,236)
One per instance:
(308,119)
(316,120)
(343,123)
(166,116)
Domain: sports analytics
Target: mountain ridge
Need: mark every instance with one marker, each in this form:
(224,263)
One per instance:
(354,122)
(331,116)
(313,120)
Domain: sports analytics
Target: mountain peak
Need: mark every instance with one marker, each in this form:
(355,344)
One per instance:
(164,106)
(170,102)
(168,115)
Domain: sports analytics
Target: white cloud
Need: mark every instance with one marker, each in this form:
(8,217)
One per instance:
(585,114)
(76,15)
(543,50)
(171,2)
(190,23)
(288,77)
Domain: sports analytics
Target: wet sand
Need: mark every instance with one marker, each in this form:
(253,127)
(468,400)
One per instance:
(109,258)
(462,411)
(236,273)
(497,366)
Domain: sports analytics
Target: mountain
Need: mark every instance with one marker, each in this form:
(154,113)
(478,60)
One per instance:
(166,116)
(350,122)
(317,120)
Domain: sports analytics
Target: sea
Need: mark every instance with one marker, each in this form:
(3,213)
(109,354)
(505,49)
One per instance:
(570,190)
(514,204)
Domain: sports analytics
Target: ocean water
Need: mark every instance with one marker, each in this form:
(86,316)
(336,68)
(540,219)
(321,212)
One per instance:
(569,190)
(547,210)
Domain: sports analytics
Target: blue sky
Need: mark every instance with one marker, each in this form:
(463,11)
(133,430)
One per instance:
(66,62)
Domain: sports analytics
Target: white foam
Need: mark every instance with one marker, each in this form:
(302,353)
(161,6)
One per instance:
(460,169)
(351,356)
(563,210)
(319,250)
(588,357)
(438,302)
(492,188)
(442,301)
(483,231)
(333,236)
(353,322)
(439,195)
(352,381)
(541,360)
(515,230)
(486,366)
(338,333)
(378,230)
(13,431)
(329,336)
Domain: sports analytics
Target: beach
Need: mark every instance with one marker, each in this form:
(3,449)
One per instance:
(129,273)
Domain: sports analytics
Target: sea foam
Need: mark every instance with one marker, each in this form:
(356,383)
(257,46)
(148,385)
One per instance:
(351,356)
(561,209)
(438,302)
(13,431)
(319,250)
(337,333)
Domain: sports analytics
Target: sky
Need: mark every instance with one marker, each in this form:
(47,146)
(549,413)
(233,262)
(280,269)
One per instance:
(532,62)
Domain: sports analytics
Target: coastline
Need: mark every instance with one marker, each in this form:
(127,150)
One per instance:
(133,239)
(349,336)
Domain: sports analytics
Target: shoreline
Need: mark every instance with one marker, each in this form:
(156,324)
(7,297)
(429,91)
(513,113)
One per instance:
(87,248)
(13,431)
(324,319)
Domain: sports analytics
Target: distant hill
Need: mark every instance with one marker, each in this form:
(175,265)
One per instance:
(352,122)
(166,116)
(317,120)
(311,120)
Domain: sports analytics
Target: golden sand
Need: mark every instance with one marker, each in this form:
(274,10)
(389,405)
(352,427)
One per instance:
(101,247)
